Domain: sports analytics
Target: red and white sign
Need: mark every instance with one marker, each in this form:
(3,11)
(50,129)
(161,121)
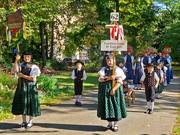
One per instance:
(117,32)
(113,45)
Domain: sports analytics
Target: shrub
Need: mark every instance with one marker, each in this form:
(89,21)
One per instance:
(48,85)
(92,67)
(7,80)
(54,64)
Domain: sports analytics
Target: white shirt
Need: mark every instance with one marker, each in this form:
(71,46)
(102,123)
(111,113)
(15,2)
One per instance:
(120,76)
(74,77)
(35,71)
(124,69)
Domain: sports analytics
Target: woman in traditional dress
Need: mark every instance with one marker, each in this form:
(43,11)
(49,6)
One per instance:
(111,103)
(138,72)
(26,102)
(167,63)
(129,60)
(145,59)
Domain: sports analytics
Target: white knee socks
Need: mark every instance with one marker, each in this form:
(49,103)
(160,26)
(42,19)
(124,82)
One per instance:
(152,106)
(78,98)
(24,118)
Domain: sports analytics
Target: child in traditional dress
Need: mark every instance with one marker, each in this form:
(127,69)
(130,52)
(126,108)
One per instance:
(120,64)
(78,75)
(26,102)
(150,80)
(129,60)
(145,59)
(111,103)
(160,74)
(170,66)
(167,64)
(138,72)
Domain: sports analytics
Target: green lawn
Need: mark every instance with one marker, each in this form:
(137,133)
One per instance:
(53,90)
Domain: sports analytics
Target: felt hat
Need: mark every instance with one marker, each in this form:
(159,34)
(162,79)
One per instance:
(78,61)
(27,53)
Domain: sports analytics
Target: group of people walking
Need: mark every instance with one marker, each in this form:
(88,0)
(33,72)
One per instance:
(153,72)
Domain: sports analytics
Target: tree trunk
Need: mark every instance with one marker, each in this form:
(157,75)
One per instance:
(52,40)
(46,38)
(43,42)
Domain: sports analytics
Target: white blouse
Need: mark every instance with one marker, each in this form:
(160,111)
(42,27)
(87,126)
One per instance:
(120,76)
(35,71)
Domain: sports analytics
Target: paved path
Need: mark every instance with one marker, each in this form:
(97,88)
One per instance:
(66,119)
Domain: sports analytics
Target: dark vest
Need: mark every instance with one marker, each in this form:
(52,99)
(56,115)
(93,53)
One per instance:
(108,71)
(149,80)
(145,60)
(26,70)
(79,74)
(164,60)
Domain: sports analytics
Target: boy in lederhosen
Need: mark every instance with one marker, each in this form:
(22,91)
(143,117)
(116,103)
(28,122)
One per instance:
(78,75)
(150,80)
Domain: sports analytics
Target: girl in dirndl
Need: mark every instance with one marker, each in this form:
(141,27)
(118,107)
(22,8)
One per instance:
(111,103)
(160,74)
(26,102)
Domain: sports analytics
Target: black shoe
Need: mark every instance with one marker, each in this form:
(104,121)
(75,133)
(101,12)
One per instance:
(109,126)
(150,111)
(76,103)
(79,104)
(23,125)
(147,111)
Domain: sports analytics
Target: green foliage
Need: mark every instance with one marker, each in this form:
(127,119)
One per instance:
(48,85)
(7,80)
(55,65)
(7,83)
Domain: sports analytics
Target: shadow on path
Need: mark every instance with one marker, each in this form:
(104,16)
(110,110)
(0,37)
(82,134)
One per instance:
(86,128)
(12,127)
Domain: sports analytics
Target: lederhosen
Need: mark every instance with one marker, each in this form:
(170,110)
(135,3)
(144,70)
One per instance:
(149,83)
(78,82)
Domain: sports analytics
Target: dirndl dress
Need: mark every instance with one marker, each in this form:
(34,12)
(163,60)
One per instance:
(111,107)
(26,100)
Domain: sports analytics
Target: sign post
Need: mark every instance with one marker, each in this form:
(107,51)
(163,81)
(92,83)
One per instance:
(116,42)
